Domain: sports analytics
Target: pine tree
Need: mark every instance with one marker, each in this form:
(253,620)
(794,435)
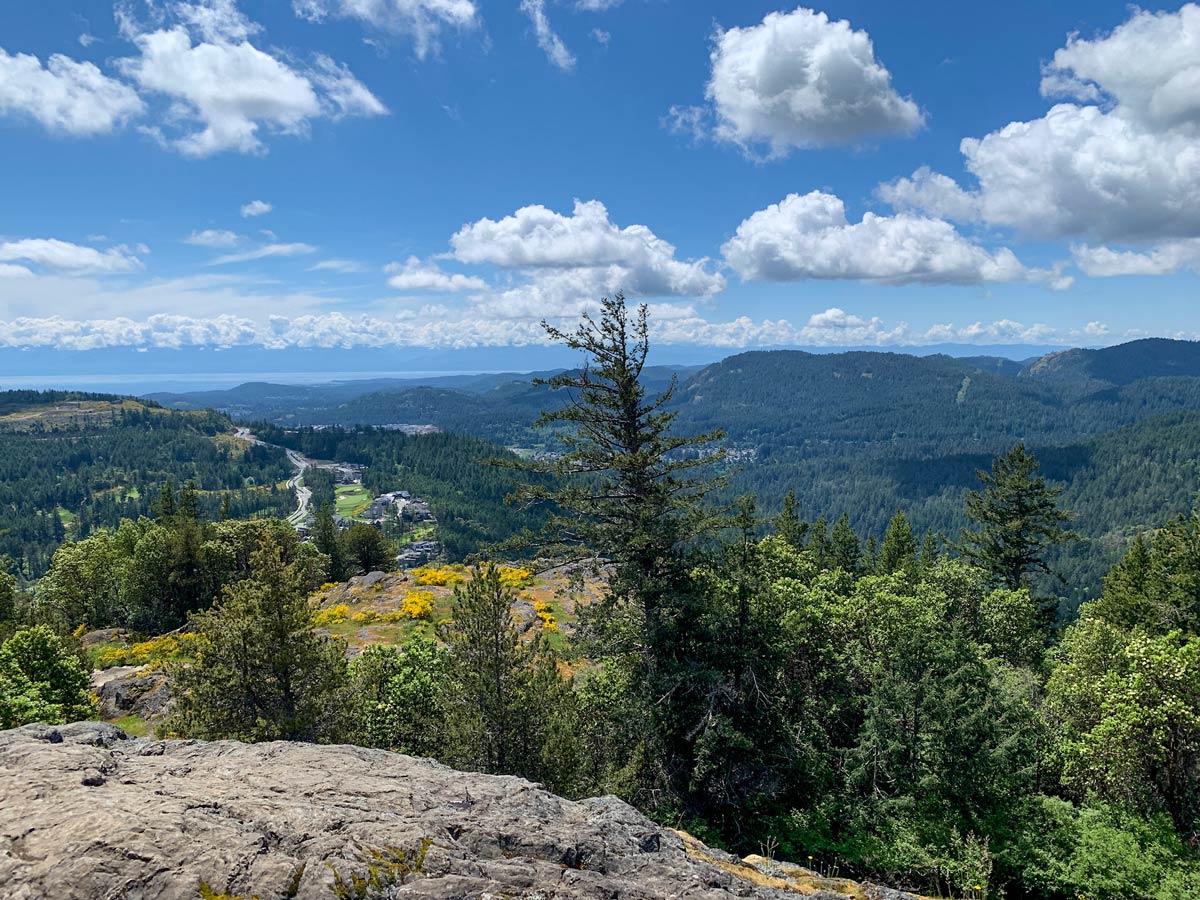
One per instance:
(844,547)
(930,552)
(632,492)
(508,700)
(163,506)
(188,506)
(788,524)
(899,551)
(327,540)
(366,549)
(818,542)
(261,671)
(1016,519)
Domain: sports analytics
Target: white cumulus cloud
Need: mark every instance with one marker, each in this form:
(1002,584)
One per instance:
(223,92)
(256,208)
(1119,164)
(801,80)
(930,192)
(575,259)
(808,236)
(1164,259)
(1150,65)
(65,96)
(415,275)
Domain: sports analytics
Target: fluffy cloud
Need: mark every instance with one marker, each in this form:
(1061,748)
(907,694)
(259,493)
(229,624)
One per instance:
(930,192)
(255,208)
(809,236)
(537,237)
(573,259)
(267,251)
(7,270)
(802,80)
(224,91)
(73,259)
(552,45)
(65,96)
(1165,259)
(211,237)
(1150,66)
(216,20)
(1082,171)
(597,5)
(424,20)
(1122,163)
(433,326)
(414,275)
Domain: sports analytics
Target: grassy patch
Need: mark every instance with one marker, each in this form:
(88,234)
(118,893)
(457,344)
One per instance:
(134,726)
(423,532)
(351,500)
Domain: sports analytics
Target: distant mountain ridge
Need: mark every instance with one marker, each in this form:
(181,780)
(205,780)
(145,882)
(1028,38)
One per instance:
(1120,364)
(861,432)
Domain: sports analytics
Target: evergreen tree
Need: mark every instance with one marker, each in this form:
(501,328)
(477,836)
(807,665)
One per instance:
(899,551)
(8,591)
(930,552)
(788,524)
(509,704)
(844,547)
(631,491)
(1016,519)
(188,506)
(163,506)
(261,671)
(327,539)
(818,542)
(365,549)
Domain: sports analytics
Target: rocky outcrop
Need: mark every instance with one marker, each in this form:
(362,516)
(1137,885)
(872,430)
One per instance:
(87,813)
(132,690)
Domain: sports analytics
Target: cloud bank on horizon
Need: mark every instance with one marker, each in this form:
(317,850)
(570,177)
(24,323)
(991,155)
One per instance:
(444,173)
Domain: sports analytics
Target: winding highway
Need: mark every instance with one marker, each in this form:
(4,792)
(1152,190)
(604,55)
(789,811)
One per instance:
(296,482)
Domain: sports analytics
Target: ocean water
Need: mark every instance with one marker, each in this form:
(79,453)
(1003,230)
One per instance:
(151,382)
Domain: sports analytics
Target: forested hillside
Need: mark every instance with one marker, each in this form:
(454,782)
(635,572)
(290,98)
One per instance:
(867,433)
(901,710)
(454,473)
(71,463)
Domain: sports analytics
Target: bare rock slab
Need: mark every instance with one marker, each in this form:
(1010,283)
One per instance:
(87,813)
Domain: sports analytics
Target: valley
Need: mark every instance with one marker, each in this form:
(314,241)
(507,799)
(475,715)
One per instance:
(890,431)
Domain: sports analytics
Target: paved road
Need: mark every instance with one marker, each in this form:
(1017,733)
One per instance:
(296,482)
(303,494)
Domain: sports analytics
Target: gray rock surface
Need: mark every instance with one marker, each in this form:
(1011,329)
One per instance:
(132,690)
(87,813)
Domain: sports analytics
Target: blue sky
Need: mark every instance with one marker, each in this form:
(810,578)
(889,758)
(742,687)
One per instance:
(446,173)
